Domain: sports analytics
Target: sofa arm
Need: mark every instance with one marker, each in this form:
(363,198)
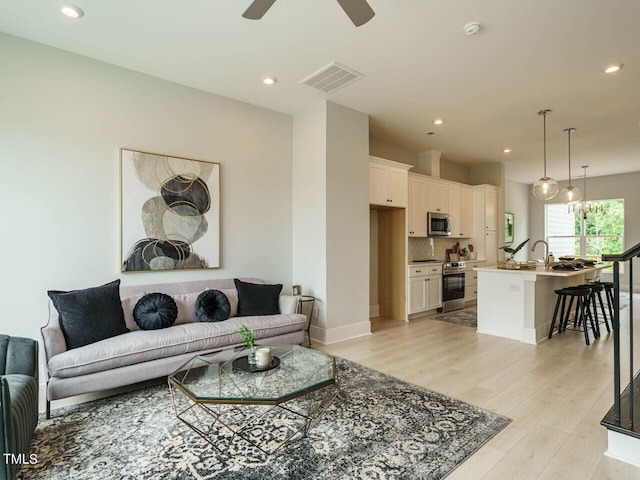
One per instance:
(18,355)
(288,304)
(18,420)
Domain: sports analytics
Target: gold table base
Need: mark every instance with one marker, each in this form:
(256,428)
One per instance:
(221,424)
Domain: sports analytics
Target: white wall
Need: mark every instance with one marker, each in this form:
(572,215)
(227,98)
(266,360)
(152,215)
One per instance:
(373,259)
(310,206)
(609,187)
(64,117)
(378,148)
(347,223)
(516,201)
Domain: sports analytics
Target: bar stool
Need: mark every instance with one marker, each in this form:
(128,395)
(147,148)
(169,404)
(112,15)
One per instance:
(608,290)
(596,291)
(561,297)
(582,297)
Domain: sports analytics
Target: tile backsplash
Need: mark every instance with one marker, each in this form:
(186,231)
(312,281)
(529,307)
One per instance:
(424,248)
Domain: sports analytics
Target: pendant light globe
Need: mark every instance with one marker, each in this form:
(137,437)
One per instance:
(546,188)
(570,195)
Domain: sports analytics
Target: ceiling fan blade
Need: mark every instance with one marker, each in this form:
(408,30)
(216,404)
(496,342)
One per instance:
(257,9)
(358,11)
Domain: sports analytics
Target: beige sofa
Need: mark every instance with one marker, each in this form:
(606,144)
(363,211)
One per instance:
(146,354)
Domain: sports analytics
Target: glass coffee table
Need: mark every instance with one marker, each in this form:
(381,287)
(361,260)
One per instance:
(267,409)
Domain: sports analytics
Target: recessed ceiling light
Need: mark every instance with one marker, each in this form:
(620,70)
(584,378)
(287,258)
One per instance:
(438,121)
(472,28)
(71,11)
(269,80)
(506,150)
(613,68)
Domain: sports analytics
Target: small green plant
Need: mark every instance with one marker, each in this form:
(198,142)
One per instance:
(513,251)
(248,335)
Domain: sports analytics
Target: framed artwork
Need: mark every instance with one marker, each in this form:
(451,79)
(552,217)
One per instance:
(169,212)
(508,227)
(296,290)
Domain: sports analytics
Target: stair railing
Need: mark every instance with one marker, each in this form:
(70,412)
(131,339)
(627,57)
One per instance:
(628,257)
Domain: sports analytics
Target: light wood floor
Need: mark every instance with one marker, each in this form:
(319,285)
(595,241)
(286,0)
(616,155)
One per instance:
(556,393)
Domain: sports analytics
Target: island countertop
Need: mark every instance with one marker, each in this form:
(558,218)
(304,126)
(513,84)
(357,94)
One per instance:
(540,270)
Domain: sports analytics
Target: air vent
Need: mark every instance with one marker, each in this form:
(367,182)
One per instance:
(332,77)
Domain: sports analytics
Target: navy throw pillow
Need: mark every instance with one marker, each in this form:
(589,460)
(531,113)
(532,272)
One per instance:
(257,299)
(89,315)
(154,311)
(212,306)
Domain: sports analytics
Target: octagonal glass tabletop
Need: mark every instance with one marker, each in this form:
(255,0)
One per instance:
(213,378)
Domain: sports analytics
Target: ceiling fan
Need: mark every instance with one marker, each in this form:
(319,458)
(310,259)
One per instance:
(358,11)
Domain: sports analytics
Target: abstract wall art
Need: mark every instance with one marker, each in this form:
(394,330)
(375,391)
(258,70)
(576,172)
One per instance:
(170,212)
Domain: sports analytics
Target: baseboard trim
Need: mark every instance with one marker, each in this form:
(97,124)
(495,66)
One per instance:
(374,311)
(327,336)
(624,448)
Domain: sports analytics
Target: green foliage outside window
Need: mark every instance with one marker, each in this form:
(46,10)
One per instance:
(603,229)
(600,232)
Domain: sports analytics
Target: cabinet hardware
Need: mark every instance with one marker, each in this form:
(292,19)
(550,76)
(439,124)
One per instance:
(418,271)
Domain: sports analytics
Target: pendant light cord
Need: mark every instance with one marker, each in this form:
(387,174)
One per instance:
(544,136)
(569,132)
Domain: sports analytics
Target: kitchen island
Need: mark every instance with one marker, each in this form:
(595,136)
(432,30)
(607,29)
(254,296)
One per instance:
(519,304)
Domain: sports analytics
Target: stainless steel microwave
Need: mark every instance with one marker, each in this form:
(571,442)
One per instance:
(438,224)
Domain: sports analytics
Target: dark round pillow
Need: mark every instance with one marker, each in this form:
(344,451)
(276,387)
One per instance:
(212,306)
(154,311)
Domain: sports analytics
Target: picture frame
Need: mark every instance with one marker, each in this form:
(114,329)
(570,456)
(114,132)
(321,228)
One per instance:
(169,212)
(296,290)
(508,227)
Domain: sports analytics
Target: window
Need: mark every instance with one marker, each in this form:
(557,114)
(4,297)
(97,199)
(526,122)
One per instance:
(589,236)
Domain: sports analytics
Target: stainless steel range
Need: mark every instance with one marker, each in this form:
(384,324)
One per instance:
(453,286)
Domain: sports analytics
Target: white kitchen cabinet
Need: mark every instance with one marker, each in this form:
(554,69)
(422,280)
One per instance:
(454,211)
(491,208)
(417,295)
(424,288)
(471,283)
(417,213)
(466,212)
(437,196)
(434,292)
(485,222)
(388,183)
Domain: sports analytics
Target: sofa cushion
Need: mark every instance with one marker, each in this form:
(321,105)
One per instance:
(257,299)
(155,311)
(89,315)
(186,307)
(145,345)
(212,306)
(128,304)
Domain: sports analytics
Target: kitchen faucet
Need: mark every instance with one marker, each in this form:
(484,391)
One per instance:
(546,252)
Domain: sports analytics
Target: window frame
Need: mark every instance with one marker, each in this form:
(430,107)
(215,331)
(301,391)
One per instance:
(582,238)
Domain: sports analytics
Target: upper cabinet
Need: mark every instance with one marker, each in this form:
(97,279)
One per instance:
(466,212)
(437,196)
(485,206)
(428,194)
(417,206)
(388,182)
(461,211)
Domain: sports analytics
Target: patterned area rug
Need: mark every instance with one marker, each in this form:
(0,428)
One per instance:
(378,427)
(466,318)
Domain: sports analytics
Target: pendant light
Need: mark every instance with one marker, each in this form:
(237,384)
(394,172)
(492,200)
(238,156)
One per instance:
(585,206)
(570,195)
(545,188)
